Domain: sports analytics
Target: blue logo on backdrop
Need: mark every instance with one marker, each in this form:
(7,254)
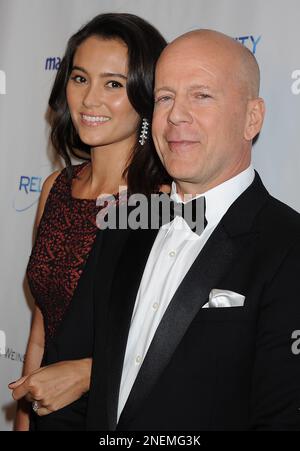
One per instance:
(249,41)
(52,63)
(28,189)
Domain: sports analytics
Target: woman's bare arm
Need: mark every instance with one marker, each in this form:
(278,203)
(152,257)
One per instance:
(35,347)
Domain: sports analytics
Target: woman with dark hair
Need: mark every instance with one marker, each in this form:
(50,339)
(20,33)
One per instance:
(101,105)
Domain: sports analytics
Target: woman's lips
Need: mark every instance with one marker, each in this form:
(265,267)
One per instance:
(93,120)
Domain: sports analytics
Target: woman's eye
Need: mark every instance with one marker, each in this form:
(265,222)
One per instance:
(78,79)
(114,84)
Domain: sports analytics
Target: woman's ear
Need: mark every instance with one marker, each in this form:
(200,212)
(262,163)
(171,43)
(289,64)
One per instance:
(255,118)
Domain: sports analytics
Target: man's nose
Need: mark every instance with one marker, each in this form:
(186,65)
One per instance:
(179,113)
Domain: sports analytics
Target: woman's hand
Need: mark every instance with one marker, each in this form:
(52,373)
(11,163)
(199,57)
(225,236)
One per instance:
(54,386)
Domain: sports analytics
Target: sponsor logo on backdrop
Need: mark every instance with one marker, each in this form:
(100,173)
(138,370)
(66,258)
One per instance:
(2,342)
(52,63)
(295,87)
(250,42)
(28,189)
(9,353)
(2,82)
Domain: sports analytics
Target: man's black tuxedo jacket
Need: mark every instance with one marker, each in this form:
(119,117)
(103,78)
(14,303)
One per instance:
(229,368)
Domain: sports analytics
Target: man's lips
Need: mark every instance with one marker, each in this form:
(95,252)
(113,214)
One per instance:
(182,144)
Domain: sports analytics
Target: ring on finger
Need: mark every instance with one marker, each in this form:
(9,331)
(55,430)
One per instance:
(35,406)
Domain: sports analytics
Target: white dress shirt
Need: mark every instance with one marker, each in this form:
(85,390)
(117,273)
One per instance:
(173,253)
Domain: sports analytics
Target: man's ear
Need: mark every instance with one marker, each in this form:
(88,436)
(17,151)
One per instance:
(255,118)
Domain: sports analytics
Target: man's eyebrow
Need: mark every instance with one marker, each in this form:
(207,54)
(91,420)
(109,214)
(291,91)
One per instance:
(164,88)
(103,75)
(196,86)
(190,88)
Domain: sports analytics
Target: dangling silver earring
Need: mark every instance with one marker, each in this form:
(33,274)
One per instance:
(144,132)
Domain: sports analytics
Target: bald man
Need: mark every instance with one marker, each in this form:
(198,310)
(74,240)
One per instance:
(201,328)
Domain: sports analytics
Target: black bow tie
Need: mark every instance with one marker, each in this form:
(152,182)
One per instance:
(193,212)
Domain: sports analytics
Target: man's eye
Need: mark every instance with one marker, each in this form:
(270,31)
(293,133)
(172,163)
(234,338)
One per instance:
(114,84)
(203,95)
(78,79)
(162,99)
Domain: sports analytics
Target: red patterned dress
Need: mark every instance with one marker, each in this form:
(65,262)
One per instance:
(65,237)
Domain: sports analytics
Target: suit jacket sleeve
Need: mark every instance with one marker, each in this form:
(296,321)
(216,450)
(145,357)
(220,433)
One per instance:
(275,395)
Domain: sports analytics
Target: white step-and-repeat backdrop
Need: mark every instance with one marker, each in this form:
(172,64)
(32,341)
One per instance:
(33,35)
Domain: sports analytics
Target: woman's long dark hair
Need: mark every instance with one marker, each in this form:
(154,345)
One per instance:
(145,172)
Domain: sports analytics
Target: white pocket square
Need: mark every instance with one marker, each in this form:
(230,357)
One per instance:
(224,298)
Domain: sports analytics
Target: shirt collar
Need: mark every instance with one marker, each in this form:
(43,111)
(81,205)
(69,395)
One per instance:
(221,197)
